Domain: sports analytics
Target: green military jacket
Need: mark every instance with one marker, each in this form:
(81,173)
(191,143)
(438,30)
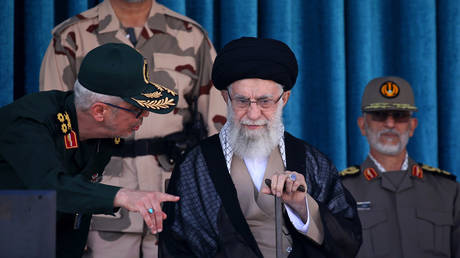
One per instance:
(410,213)
(39,149)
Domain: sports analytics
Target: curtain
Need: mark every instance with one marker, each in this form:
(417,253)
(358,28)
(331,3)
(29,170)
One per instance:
(340,46)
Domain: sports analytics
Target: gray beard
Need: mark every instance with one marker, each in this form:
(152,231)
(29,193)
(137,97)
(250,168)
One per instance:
(259,143)
(387,149)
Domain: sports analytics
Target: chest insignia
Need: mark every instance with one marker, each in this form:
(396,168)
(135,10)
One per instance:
(370,173)
(95,178)
(116,140)
(417,171)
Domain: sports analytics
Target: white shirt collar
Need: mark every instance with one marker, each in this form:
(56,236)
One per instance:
(404,165)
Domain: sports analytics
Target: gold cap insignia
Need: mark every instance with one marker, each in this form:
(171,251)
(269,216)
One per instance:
(389,89)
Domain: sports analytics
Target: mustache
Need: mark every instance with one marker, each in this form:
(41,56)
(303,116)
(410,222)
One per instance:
(256,122)
(391,131)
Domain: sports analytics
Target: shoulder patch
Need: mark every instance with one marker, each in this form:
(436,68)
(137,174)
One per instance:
(353,170)
(438,171)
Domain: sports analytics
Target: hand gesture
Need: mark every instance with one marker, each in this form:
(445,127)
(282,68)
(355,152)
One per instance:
(148,204)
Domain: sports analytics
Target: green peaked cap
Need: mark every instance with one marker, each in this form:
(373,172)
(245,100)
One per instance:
(120,70)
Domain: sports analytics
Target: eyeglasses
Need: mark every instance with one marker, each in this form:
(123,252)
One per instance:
(263,103)
(398,116)
(136,113)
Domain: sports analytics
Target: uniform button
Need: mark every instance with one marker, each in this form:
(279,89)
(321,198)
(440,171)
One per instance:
(289,249)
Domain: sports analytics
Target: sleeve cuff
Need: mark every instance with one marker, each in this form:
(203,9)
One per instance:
(297,221)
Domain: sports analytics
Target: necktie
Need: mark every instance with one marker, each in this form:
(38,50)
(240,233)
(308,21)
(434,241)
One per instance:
(131,35)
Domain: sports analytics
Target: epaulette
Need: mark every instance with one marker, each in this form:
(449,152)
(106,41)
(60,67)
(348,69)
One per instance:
(350,171)
(88,14)
(437,171)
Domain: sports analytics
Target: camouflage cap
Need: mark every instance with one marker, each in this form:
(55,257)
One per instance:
(119,70)
(388,93)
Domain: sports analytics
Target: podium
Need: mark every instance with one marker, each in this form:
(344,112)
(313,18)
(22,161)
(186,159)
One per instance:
(27,223)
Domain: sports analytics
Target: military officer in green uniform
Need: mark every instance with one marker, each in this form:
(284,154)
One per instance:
(407,209)
(63,140)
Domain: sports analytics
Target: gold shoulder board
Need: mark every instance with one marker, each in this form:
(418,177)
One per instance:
(438,171)
(353,170)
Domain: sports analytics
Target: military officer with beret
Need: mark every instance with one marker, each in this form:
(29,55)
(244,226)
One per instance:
(61,141)
(407,209)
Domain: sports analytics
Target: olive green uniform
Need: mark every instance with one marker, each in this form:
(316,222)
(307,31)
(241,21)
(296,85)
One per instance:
(180,56)
(412,213)
(37,151)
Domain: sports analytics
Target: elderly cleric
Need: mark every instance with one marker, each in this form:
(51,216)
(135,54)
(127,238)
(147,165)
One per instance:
(226,210)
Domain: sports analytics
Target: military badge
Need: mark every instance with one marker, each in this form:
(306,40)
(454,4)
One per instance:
(363,206)
(70,137)
(417,171)
(389,89)
(370,173)
(70,140)
(116,140)
(95,178)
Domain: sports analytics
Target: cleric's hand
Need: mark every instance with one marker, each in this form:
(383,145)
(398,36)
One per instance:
(286,185)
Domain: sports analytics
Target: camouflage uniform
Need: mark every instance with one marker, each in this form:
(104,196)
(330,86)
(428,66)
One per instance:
(180,56)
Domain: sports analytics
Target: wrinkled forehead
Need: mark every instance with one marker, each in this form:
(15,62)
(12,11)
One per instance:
(255,88)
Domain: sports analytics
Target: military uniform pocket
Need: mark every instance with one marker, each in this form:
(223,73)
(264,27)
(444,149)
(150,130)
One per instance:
(434,231)
(375,233)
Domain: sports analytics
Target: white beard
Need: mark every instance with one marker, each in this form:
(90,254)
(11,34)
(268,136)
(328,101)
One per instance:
(388,149)
(257,143)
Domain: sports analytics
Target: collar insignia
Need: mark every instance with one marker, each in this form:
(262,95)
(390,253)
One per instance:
(70,137)
(116,140)
(417,171)
(389,90)
(70,140)
(370,173)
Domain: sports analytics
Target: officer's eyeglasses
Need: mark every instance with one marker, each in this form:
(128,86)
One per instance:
(135,112)
(263,103)
(398,116)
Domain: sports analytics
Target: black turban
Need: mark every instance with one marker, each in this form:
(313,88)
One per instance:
(247,57)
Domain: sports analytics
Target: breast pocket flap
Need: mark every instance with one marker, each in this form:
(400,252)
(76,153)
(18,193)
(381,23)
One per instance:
(371,218)
(436,217)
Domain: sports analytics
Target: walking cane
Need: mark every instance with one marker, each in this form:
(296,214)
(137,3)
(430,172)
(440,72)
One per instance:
(278,225)
(279,218)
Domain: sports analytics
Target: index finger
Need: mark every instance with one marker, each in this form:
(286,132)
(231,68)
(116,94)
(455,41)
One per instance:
(164,197)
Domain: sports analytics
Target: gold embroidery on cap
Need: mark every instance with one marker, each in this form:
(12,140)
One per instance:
(153,95)
(155,104)
(389,105)
(145,71)
(389,89)
(162,88)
